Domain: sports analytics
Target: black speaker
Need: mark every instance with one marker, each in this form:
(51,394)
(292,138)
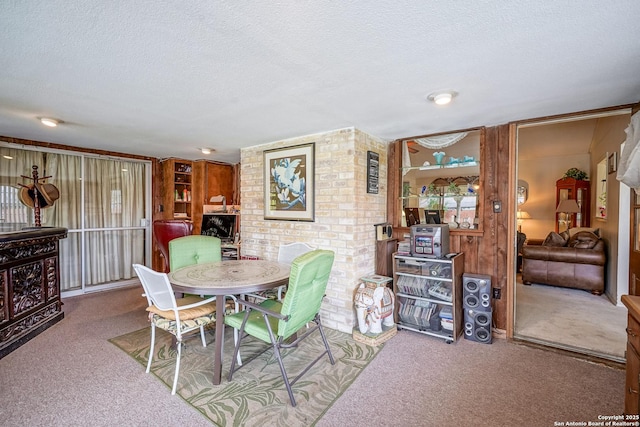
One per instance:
(476,292)
(477,325)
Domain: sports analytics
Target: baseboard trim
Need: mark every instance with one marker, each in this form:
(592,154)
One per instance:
(499,333)
(611,361)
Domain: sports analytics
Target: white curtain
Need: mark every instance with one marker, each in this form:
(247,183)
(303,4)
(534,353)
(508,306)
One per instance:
(406,158)
(441,141)
(431,142)
(114,197)
(629,165)
(66,175)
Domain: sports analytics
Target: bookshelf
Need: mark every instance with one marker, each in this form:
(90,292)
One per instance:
(429,295)
(177,196)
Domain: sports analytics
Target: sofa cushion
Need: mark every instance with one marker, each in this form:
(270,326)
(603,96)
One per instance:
(575,230)
(554,239)
(583,240)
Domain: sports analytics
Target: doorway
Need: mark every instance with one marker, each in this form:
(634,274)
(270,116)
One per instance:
(557,316)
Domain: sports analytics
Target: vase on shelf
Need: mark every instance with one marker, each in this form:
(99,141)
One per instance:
(439,155)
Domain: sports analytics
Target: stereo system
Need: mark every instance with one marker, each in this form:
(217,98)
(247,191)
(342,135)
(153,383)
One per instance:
(476,302)
(429,241)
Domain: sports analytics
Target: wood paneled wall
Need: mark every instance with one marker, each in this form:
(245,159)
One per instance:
(488,251)
(210,178)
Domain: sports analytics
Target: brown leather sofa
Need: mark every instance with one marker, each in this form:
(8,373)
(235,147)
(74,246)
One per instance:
(571,262)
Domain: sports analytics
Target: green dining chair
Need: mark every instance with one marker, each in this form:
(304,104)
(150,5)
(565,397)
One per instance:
(274,322)
(198,249)
(194,249)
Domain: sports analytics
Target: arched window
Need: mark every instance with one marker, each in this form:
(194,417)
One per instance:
(13,214)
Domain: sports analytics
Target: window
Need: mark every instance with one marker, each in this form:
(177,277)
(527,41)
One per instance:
(103,204)
(13,214)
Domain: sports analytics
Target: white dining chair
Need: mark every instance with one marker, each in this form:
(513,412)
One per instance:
(287,253)
(177,316)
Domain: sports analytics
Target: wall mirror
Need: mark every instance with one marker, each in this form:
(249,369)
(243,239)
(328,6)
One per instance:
(522,191)
(441,173)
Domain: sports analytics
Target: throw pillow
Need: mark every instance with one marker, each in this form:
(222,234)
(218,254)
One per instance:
(583,240)
(554,239)
(576,230)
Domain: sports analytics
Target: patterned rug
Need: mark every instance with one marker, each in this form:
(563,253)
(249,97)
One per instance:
(257,395)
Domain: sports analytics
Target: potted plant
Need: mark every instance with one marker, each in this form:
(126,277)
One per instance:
(433,197)
(453,189)
(576,174)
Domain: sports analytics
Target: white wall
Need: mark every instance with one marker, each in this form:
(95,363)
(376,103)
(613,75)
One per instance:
(608,136)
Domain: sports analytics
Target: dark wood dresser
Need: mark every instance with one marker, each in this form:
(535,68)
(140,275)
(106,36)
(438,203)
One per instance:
(29,284)
(632,385)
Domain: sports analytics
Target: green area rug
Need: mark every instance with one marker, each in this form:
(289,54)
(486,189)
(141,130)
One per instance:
(256,396)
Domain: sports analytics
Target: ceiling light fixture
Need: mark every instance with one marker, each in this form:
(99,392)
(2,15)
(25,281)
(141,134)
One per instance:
(443,97)
(49,122)
(206,150)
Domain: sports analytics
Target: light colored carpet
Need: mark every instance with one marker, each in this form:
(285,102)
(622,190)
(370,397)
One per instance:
(571,318)
(256,396)
(70,375)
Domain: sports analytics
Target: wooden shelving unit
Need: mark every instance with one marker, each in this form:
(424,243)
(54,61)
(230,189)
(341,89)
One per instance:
(178,192)
(429,295)
(569,188)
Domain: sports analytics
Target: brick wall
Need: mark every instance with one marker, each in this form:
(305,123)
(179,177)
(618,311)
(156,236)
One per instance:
(344,213)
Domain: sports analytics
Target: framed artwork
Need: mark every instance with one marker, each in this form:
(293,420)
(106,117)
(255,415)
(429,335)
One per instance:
(612,163)
(289,183)
(412,216)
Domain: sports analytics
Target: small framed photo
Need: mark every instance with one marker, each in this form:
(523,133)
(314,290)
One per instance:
(612,162)
(289,183)
(373,172)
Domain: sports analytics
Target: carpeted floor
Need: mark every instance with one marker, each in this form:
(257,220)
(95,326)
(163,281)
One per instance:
(571,319)
(70,375)
(256,396)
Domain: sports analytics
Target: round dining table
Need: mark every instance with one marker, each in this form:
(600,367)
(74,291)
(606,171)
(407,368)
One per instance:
(234,277)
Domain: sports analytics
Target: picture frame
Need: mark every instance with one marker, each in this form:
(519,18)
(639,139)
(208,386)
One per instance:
(432,217)
(412,216)
(373,172)
(289,183)
(612,162)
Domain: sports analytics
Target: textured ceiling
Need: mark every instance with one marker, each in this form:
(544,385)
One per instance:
(162,78)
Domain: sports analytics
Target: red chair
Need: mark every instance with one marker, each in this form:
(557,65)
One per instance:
(165,230)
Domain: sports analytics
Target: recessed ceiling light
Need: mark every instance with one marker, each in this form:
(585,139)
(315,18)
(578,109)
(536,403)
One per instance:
(442,97)
(49,122)
(8,157)
(206,150)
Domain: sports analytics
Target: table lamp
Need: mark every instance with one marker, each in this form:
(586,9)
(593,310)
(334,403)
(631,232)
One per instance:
(568,207)
(521,215)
